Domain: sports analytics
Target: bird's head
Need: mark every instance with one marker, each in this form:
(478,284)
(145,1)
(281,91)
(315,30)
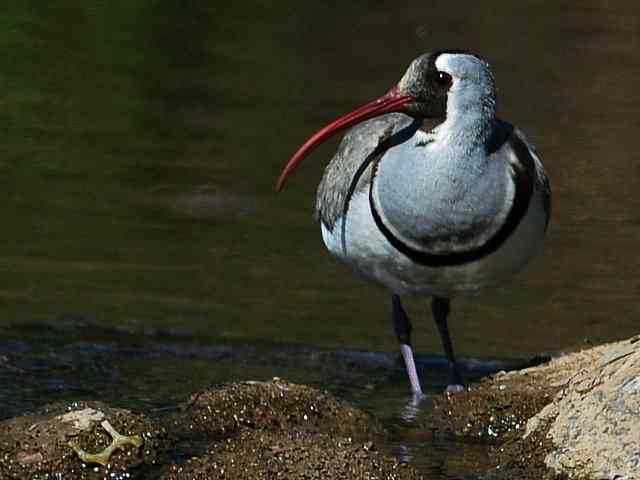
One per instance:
(447,83)
(436,86)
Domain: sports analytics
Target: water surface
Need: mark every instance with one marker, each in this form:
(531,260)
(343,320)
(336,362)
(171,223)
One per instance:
(140,144)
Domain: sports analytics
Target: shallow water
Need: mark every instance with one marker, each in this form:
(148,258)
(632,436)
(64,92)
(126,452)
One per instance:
(140,146)
(156,371)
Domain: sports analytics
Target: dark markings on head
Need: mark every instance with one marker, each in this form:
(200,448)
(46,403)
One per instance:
(430,96)
(430,87)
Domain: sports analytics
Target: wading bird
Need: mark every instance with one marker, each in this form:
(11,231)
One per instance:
(430,193)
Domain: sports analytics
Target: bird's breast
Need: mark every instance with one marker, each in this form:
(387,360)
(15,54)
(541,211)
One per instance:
(437,200)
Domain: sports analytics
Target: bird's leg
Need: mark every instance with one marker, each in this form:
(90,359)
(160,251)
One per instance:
(402,327)
(440,309)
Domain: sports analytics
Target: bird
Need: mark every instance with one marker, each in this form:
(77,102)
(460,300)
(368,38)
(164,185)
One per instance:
(431,194)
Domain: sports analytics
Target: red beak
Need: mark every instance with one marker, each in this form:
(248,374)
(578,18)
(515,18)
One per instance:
(392,101)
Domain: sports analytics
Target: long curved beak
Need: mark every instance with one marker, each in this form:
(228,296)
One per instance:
(392,101)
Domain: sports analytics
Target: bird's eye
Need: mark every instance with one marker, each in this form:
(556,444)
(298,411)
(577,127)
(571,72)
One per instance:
(444,79)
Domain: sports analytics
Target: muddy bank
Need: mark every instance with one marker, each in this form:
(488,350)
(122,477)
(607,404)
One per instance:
(240,430)
(294,454)
(576,417)
(275,405)
(278,429)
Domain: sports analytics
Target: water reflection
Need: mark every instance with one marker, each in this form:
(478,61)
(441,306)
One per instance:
(413,408)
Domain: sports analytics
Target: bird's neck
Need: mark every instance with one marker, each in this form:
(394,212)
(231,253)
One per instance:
(466,128)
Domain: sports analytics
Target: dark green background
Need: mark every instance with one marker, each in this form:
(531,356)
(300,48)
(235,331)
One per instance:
(139,144)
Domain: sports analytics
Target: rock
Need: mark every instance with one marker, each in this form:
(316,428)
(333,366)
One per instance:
(275,404)
(278,429)
(594,421)
(576,417)
(294,455)
(496,411)
(42,446)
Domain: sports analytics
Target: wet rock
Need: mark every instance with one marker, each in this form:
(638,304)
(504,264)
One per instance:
(7,365)
(523,459)
(275,404)
(494,409)
(42,446)
(295,454)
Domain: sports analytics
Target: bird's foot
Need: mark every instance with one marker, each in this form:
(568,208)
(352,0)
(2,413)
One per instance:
(118,442)
(418,397)
(413,408)
(454,388)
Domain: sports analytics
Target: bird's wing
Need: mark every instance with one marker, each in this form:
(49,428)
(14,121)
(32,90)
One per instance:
(542,183)
(349,169)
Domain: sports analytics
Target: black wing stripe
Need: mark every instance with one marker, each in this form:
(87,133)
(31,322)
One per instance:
(524,177)
(387,141)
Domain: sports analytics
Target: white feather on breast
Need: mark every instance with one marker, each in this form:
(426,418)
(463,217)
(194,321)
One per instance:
(369,253)
(442,198)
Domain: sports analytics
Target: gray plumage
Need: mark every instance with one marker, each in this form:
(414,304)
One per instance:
(498,142)
(362,140)
(441,199)
(356,145)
